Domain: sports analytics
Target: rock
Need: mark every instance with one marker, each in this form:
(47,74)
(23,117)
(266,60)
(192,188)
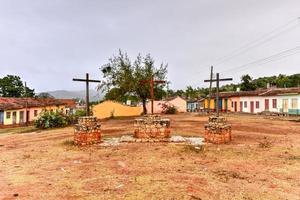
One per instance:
(195,141)
(176,138)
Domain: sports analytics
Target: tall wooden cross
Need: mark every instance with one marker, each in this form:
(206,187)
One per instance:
(217,93)
(87,98)
(152,82)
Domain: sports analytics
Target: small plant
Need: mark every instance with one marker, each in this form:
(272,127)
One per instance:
(112,114)
(49,119)
(265,143)
(169,109)
(68,143)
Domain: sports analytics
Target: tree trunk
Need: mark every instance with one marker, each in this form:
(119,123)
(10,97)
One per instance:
(144,107)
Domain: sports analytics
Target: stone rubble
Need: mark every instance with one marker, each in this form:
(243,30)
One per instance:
(194,141)
(87,131)
(217,130)
(152,126)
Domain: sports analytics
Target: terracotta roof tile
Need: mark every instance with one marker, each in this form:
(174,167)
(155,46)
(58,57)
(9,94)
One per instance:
(9,103)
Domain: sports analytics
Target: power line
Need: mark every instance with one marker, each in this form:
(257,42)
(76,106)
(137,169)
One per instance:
(261,40)
(278,56)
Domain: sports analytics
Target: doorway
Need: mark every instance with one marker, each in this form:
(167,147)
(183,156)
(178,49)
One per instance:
(252,106)
(285,105)
(14,117)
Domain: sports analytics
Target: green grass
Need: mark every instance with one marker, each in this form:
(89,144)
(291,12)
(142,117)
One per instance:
(17,130)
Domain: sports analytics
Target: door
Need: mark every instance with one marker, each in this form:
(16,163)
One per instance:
(266,104)
(235,106)
(1,117)
(241,106)
(285,105)
(21,118)
(14,117)
(27,116)
(220,105)
(252,106)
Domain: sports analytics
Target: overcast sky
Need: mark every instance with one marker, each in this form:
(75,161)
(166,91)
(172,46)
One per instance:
(48,42)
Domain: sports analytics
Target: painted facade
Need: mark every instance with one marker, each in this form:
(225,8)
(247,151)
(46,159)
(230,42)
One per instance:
(109,109)
(178,102)
(13,111)
(277,100)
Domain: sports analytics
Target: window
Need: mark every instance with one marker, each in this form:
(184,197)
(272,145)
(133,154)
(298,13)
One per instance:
(294,103)
(232,104)
(245,104)
(35,112)
(274,103)
(257,104)
(8,114)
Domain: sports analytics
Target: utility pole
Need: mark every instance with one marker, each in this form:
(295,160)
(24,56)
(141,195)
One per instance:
(26,104)
(210,88)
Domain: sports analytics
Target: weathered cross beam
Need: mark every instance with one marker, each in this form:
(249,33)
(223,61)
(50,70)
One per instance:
(152,82)
(87,98)
(217,93)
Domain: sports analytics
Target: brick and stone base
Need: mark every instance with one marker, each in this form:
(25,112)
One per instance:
(152,126)
(217,130)
(87,131)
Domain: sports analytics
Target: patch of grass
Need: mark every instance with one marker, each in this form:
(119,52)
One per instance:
(27,129)
(293,157)
(265,144)
(225,175)
(68,143)
(193,149)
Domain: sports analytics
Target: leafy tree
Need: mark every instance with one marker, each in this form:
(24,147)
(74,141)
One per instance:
(12,86)
(44,95)
(247,83)
(123,78)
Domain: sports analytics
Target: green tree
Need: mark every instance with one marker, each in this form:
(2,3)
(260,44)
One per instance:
(12,86)
(247,83)
(122,78)
(44,95)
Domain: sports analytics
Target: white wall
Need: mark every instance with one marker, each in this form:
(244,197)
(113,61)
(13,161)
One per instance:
(261,100)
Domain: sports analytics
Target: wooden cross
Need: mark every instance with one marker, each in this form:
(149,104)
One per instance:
(152,81)
(87,81)
(217,95)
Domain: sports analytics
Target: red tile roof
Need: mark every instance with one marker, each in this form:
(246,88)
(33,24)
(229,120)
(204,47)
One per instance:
(262,92)
(9,103)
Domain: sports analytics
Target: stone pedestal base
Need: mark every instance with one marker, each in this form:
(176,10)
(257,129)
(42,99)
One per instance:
(152,126)
(87,132)
(217,131)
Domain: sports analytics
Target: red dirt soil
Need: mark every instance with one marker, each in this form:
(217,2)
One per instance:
(262,162)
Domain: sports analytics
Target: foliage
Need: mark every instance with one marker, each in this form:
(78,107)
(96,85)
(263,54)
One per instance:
(44,95)
(169,109)
(247,83)
(12,86)
(48,119)
(122,78)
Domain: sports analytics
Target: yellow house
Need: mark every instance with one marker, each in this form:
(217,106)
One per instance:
(108,109)
(19,111)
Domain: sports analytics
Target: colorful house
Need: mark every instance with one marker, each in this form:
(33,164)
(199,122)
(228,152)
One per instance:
(19,111)
(178,102)
(277,100)
(109,109)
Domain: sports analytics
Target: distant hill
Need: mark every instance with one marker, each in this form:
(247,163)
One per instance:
(66,94)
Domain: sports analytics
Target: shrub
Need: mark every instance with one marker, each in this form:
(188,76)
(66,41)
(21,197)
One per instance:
(169,109)
(51,120)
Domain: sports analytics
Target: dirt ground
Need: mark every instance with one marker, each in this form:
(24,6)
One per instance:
(262,162)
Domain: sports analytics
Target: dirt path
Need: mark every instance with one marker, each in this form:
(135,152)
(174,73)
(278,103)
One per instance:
(262,162)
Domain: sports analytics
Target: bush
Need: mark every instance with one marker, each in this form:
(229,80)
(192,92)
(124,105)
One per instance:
(169,109)
(49,119)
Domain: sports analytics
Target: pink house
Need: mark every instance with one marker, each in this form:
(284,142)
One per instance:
(178,102)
